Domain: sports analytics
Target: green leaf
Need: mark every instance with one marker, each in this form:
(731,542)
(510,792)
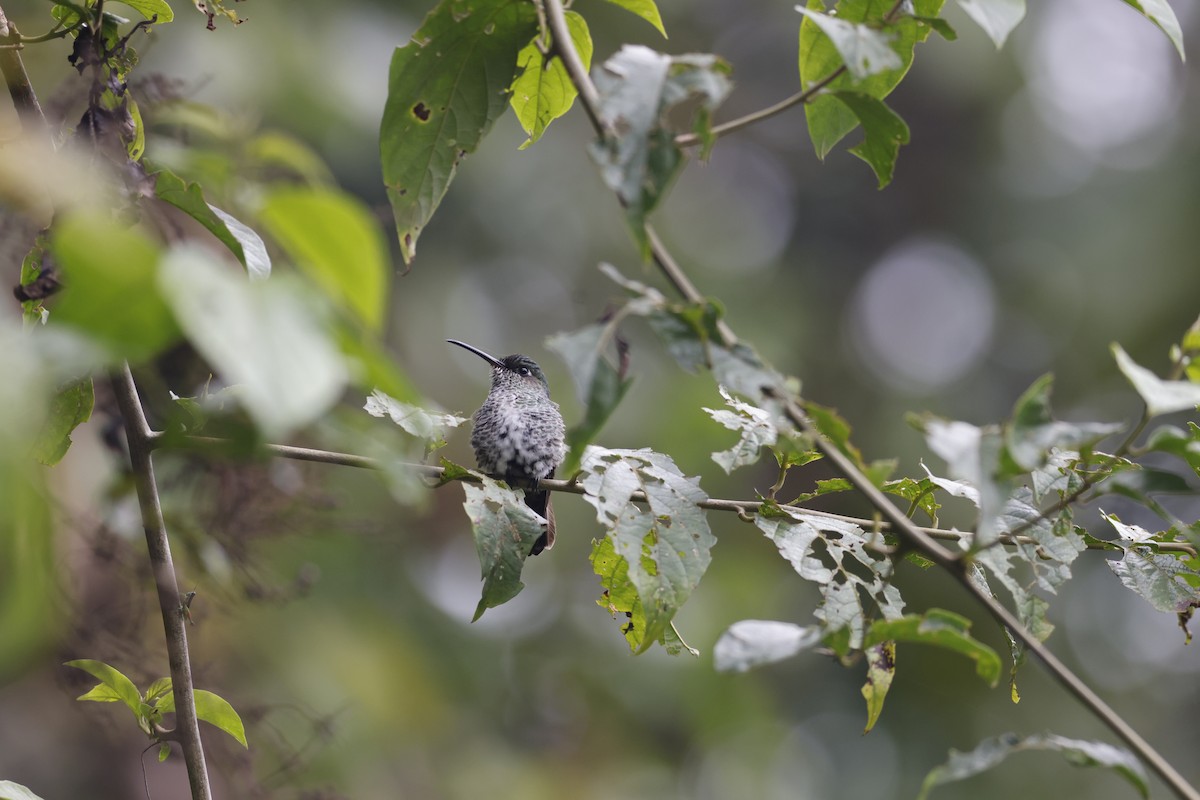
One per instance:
(428,425)
(996,17)
(243,242)
(213,709)
(70,407)
(1184,444)
(111,292)
(265,337)
(505,530)
(1161,397)
(943,629)
(638,88)
(164,750)
(667,547)
(445,89)
(881,668)
(599,385)
(151,8)
(15,791)
(452,471)
(864,50)
(281,151)
(544,91)
(1033,432)
(646,9)
(157,689)
(1163,580)
(829,119)
(755,426)
(833,554)
(113,680)
(1160,13)
(619,596)
(333,238)
(835,428)
(137,145)
(753,642)
(919,493)
(370,366)
(1077,752)
(884,131)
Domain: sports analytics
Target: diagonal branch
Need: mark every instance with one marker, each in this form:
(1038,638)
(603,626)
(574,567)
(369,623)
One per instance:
(904,527)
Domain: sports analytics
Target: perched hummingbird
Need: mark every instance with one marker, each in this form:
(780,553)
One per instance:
(519,432)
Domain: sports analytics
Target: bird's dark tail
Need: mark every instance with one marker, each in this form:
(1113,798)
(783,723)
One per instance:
(540,502)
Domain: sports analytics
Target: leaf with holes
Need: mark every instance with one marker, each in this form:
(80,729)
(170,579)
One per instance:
(505,530)
(1164,580)
(445,90)
(754,426)
(665,548)
(833,554)
(881,668)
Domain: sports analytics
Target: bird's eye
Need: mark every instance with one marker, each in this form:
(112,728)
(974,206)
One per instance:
(525,371)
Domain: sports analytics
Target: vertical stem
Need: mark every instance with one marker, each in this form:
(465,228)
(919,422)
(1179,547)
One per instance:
(19,87)
(140,438)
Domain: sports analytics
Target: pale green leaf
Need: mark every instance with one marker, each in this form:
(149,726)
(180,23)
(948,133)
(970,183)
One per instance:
(996,17)
(599,385)
(543,92)
(637,88)
(1034,433)
(753,642)
(336,242)
(420,422)
(445,89)
(265,337)
(1077,752)
(15,791)
(1164,580)
(1161,14)
(1161,397)
(755,428)
(833,554)
(864,50)
(505,531)
(666,548)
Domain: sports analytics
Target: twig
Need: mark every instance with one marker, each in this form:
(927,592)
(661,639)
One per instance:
(744,508)
(910,532)
(140,440)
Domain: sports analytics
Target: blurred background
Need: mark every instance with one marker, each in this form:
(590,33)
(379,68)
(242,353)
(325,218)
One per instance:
(1046,207)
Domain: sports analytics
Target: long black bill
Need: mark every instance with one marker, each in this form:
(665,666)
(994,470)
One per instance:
(495,362)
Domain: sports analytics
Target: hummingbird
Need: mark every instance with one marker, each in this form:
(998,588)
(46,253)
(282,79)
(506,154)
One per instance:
(518,431)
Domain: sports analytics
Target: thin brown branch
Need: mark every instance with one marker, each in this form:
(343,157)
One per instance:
(743,508)
(140,439)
